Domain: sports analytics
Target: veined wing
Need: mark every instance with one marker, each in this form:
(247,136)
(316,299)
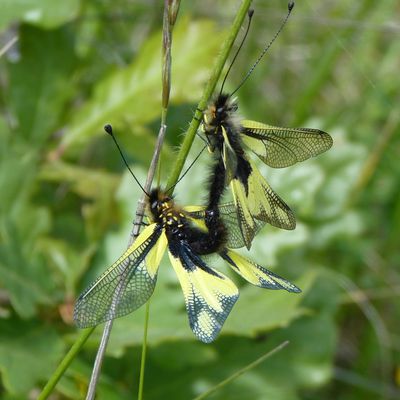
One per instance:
(280,147)
(127,284)
(209,295)
(256,274)
(229,218)
(258,202)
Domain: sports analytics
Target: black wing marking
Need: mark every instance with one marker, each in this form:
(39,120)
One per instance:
(256,274)
(209,295)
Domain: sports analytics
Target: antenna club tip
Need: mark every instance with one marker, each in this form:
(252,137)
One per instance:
(108,128)
(250,12)
(290,5)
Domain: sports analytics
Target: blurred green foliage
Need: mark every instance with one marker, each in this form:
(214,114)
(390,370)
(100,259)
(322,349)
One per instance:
(67,202)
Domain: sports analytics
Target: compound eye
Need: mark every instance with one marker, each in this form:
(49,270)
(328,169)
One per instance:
(154,204)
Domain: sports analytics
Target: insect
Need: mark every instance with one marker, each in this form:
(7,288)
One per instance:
(228,136)
(188,235)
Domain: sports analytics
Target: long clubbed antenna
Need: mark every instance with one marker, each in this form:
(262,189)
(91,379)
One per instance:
(108,128)
(290,8)
(250,15)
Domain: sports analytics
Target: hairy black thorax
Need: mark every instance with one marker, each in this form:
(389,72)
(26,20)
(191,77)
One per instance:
(221,114)
(181,231)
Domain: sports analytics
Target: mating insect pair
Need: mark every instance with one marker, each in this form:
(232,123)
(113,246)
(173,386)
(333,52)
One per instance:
(192,233)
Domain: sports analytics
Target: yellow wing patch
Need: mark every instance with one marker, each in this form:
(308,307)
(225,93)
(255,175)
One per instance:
(155,255)
(196,215)
(256,274)
(209,295)
(259,203)
(228,156)
(193,209)
(125,286)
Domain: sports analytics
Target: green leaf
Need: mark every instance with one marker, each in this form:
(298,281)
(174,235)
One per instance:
(304,364)
(40,81)
(348,224)
(17,178)
(261,310)
(343,165)
(97,187)
(308,358)
(272,242)
(132,95)
(29,352)
(44,13)
(73,384)
(22,270)
(298,185)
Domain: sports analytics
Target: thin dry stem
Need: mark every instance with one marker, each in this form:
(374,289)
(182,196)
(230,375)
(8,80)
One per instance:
(170,13)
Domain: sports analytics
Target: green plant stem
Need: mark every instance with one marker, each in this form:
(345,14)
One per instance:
(64,364)
(144,351)
(208,91)
(372,315)
(375,156)
(242,371)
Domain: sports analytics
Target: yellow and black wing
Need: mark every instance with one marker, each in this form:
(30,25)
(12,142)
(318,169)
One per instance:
(209,295)
(256,201)
(127,284)
(256,274)
(229,218)
(282,147)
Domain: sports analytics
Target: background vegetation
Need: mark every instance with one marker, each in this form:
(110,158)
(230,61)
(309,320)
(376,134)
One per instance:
(66,201)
